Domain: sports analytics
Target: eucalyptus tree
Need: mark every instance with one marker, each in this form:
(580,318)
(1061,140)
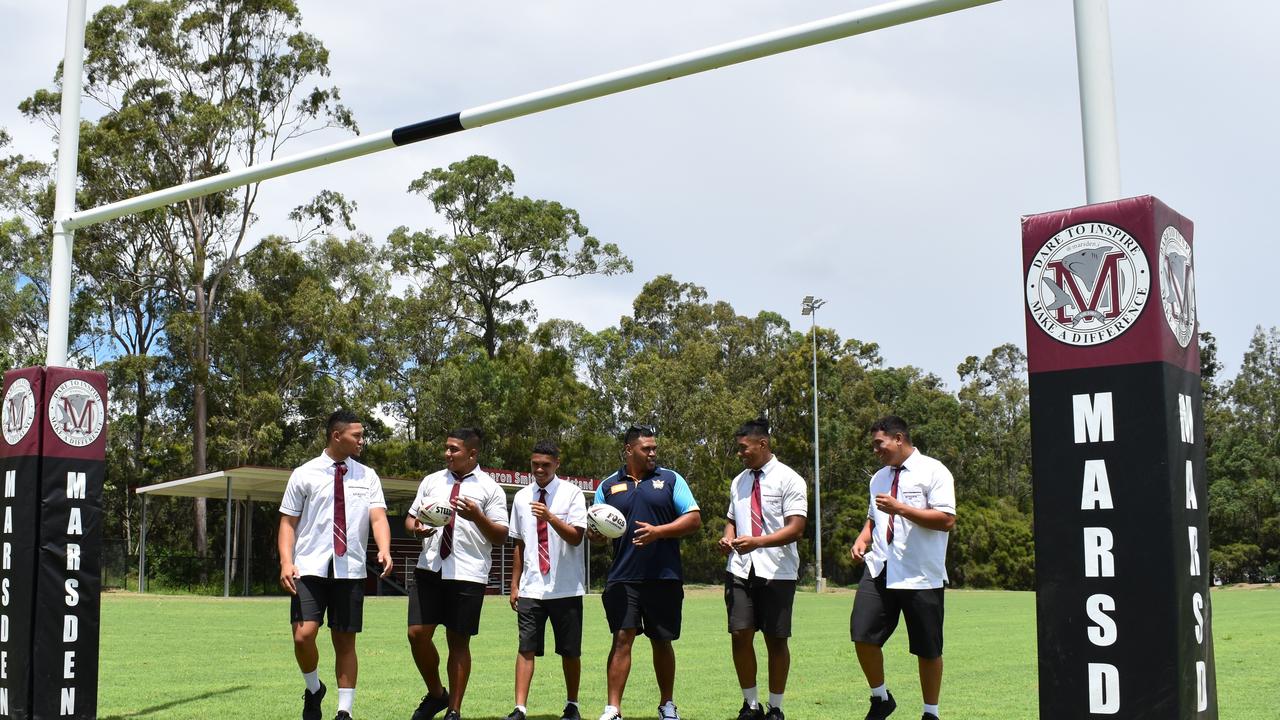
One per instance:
(194,88)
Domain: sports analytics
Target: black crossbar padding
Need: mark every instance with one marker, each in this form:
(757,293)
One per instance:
(427,129)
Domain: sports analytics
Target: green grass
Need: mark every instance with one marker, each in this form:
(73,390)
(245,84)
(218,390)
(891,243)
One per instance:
(186,657)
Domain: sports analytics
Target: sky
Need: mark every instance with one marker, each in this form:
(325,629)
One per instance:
(885,173)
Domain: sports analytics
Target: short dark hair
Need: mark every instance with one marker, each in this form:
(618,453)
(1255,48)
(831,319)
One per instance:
(635,432)
(754,428)
(338,422)
(471,437)
(891,425)
(546,447)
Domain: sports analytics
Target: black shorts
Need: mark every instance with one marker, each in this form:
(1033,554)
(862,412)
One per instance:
(566,621)
(875,616)
(343,600)
(651,606)
(455,604)
(759,604)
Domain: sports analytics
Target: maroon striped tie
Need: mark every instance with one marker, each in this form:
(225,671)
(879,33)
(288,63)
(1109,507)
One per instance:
(446,539)
(339,510)
(888,534)
(544,552)
(757,508)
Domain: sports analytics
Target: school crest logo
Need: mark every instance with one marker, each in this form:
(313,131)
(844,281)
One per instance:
(1177,285)
(1088,284)
(19,411)
(76,413)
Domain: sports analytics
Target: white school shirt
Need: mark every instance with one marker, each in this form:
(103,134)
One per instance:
(472,554)
(783,493)
(917,559)
(308,496)
(565,501)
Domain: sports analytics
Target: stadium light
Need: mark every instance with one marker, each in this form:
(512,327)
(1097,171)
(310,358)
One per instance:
(810,307)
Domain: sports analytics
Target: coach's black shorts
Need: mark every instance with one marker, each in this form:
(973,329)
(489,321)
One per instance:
(875,616)
(342,599)
(455,604)
(566,621)
(759,604)
(651,606)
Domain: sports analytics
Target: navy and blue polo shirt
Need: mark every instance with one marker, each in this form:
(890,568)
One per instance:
(658,498)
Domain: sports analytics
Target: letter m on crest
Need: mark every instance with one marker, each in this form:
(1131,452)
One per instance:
(79,421)
(14,410)
(1108,280)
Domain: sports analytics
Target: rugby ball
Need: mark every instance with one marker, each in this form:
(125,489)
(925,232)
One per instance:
(606,520)
(435,514)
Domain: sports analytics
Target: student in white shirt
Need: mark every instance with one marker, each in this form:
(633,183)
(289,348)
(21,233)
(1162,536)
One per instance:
(548,523)
(453,569)
(904,544)
(329,506)
(768,508)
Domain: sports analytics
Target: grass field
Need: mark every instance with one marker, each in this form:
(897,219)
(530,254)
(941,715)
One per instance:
(185,657)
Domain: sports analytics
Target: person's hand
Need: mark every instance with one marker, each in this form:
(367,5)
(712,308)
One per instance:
(289,577)
(889,504)
(595,537)
(746,543)
(467,508)
(422,530)
(540,511)
(858,551)
(725,545)
(515,598)
(384,557)
(646,533)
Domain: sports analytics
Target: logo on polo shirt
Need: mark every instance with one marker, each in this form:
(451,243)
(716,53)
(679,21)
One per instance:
(1088,284)
(76,413)
(19,411)
(1177,285)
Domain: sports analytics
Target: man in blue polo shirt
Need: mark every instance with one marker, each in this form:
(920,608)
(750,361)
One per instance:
(645,589)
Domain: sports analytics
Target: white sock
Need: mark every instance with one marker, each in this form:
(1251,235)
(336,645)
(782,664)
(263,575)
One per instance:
(346,698)
(572,702)
(751,696)
(881,692)
(775,700)
(523,709)
(932,709)
(313,680)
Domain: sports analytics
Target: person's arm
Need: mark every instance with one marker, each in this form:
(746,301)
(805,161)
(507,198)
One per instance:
(416,528)
(468,509)
(517,569)
(792,529)
(570,534)
(726,540)
(924,517)
(286,536)
(859,549)
(687,524)
(382,537)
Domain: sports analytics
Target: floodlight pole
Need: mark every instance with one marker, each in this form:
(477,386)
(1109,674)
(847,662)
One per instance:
(1097,102)
(810,308)
(64,203)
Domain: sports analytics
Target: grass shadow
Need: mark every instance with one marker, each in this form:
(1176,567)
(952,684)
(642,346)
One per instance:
(174,703)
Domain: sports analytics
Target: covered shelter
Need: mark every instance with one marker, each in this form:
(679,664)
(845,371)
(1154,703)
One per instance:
(266,484)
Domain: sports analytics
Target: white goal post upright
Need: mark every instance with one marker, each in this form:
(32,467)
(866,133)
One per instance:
(65,194)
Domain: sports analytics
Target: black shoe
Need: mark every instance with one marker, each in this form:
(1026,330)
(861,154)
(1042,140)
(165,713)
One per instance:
(570,712)
(431,706)
(453,715)
(516,714)
(342,715)
(929,716)
(881,709)
(774,714)
(750,713)
(311,703)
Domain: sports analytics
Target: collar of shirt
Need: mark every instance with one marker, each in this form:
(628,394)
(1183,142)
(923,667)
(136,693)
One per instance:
(624,475)
(764,469)
(471,475)
(911,460)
